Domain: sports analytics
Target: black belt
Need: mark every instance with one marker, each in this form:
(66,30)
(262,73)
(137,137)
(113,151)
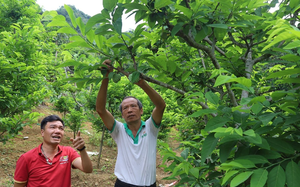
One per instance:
(124,184)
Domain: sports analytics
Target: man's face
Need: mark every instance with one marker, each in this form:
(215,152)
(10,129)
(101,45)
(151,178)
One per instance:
(53,132)
(131,111)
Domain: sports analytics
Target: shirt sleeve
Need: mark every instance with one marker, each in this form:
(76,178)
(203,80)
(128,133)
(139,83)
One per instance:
(115,131)
(21,172)
(153,127)
(73,154)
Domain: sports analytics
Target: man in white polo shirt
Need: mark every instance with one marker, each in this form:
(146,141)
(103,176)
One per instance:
(136,139)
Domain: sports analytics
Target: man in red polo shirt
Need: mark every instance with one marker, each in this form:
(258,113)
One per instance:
(50,164)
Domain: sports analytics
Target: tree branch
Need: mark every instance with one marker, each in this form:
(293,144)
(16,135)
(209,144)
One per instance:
(235,42)
(216,47)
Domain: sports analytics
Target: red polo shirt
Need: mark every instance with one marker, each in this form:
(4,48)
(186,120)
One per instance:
(32,168)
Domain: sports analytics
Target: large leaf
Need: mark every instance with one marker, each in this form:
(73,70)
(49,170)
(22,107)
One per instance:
(292,174)
(71,15)
(225,150)
(176,28)
(208,146)
(81,25)
(294,44)
(269,154)
(228,175)
(259,178)
(162,3)
(110,4)
(222,79)
(280,145)
(240,178)
(212,97)
(203,112)
(77,44)
(98,18)
(284,73)
(266,118)
(221,26)
(216,122)
(276,177)
(118,25)
(256,159)
(238,163)
(67,30)
(58,20)
(187,12)
(104,28)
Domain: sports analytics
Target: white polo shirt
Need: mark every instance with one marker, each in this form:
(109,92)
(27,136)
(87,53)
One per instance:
(136,160)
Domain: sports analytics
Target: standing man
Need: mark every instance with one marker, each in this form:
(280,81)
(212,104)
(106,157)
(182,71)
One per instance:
(136,139)
(50,164)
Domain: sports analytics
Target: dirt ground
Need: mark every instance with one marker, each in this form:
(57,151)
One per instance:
(104,176)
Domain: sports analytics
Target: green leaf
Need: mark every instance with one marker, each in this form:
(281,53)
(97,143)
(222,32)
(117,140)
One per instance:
(185,153)
(162,3)
(280,145)
(67,30)
(98,18)
(221,26)
(134,77)
(58,20)
(294,44)
(291,57)
(81,25)
(208,146)
(133,6)
(256,159)
(103,28)
(240,178)
(256,108)
(202,112)
(225,150)
(266,118)
(216,122)
(276,177)
(259,178)
(238,163)
(171,66)
(292,174)
(187,12)
(185,75)
(228,175)
(212,97)
(284,73)
(176,28)
(244,81)
(110,4)
(194,172)
(77,44)
(118,25)
(69,63)
(71,15)
(269,154)
(222,79)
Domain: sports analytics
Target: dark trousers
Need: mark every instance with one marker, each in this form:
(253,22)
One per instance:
(124,184)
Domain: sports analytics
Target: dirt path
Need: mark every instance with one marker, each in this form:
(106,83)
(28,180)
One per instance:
(104,176)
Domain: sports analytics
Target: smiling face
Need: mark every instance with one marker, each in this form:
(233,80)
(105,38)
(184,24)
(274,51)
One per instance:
(131,111)
(53,132)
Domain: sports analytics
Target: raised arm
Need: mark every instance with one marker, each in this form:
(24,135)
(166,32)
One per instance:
(105,115)
(157,100)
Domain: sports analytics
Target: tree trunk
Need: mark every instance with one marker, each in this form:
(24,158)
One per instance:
(101,145)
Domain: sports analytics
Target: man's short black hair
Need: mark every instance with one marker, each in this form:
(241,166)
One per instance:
(50,119)
(139,103)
